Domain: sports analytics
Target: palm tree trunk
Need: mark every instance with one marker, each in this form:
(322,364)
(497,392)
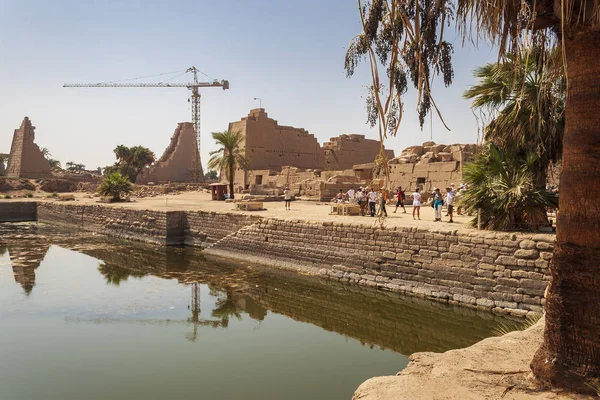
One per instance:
(231,173)
(570,354)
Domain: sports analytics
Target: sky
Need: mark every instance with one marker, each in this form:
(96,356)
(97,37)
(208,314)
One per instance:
(289,53)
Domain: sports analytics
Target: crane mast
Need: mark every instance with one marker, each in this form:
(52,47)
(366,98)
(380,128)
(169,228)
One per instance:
(194,86)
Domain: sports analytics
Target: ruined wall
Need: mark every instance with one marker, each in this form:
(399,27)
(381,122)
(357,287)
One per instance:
(344,151)
(164,228)
(177,162)
(18,211)
(270,146)
(25,159)
(430,165)
(502,272)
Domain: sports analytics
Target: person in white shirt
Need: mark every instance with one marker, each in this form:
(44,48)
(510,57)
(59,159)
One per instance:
(450,202)
(372,200)
(287,196)
(416,203)
(350,194)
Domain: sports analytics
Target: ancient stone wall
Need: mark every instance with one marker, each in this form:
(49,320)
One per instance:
(270,146)
(18,211)
(502,272)
(25,159)
(430,165)
(177,162)
(344,151)
(163,228)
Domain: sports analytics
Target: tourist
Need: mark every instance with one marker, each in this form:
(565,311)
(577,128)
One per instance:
(287,196)
(350,194)
(360,199)
(450,202)
(340,196)
(448,194)
(382,199)
(437,204)
(417,204)
(401,198)
(363,201)
(372,199)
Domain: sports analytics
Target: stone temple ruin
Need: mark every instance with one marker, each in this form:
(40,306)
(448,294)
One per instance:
(282,155)
(176,163)
(25,159)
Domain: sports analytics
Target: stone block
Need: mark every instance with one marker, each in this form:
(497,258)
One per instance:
(527,244)
(506,260)
(390,255)
(485,303)
(545,246)
(527,254)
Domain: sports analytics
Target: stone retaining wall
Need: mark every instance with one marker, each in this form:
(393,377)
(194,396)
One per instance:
(164,228)
(502,272)
(22,211)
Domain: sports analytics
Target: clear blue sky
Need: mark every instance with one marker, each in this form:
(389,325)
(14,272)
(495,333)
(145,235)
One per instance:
(290,53)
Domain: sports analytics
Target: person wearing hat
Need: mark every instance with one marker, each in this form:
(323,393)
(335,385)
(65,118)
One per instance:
(437,204)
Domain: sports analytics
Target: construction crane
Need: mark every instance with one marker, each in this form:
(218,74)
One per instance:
(195,101)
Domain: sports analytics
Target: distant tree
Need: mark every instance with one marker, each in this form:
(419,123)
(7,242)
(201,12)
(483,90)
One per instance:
(73,166)
(131,161)
(115,185)
(54,163)
(211,175)
(229,156)
(46,153)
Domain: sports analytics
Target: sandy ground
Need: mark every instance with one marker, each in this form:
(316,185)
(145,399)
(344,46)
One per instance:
(495,368)
(301,210)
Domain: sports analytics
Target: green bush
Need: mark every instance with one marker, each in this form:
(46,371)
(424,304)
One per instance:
(115,185)
(29,194)
(502,189)
(7,196)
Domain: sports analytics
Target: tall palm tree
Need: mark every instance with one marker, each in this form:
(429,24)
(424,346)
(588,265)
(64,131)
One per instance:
(407,39)
(570,354)
(524,100)
(229,156)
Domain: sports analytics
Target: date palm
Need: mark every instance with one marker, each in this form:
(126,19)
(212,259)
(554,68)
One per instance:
(229,156)
(406,38)
(523,97)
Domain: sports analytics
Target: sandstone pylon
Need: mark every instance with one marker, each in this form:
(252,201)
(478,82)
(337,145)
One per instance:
(25,159)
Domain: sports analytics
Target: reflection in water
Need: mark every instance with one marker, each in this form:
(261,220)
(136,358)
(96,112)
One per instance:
(387,320)
(170,323)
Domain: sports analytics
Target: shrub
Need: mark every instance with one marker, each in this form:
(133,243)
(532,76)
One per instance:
(115,185)
(29,194)
(502,189)
(7,196)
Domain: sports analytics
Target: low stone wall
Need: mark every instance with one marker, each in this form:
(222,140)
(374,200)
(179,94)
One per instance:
(164,228)
(21,211)
(203,229)
(502,272)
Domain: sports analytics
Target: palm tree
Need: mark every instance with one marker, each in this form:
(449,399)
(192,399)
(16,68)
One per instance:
(502,191)
(526,102)
(407,39)
(570,354)
(229,156)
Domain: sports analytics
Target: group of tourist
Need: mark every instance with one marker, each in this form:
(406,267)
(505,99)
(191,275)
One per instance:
(376,200)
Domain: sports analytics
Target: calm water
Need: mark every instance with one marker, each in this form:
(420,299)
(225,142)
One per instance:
(85,318)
